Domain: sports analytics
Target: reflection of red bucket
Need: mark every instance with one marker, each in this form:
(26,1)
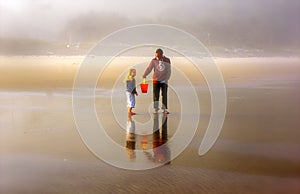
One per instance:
(144,88)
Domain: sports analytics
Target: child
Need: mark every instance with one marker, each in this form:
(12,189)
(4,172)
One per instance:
(131,90)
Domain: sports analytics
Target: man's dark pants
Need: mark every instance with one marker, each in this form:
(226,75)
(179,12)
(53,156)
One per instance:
(157,86)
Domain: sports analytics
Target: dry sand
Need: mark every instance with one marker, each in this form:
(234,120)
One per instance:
(258,150)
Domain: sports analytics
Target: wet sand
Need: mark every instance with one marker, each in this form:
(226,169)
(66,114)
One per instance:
(258,150)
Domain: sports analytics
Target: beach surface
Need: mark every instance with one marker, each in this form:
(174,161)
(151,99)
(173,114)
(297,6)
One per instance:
(41,151)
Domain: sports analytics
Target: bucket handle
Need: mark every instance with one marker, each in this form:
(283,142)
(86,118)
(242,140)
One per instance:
(144,81)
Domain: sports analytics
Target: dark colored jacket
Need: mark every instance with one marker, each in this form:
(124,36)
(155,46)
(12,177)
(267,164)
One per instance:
(130,86)
(161,68)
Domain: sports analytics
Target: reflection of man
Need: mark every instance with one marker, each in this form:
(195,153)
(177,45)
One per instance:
(161,151)
(161,66)
(130,138)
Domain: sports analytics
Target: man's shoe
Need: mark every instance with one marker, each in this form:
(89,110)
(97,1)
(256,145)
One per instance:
(166,112)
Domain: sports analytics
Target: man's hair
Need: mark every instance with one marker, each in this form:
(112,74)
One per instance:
(160,51)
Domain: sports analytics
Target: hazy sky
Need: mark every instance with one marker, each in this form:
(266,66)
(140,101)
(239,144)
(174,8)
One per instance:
(51,19)
(49,16)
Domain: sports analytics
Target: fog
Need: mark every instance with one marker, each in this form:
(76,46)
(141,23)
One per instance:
(253,23)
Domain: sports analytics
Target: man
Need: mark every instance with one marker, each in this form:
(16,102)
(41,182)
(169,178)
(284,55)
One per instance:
(161,66)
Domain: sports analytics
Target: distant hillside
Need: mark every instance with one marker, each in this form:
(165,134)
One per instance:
(41,47)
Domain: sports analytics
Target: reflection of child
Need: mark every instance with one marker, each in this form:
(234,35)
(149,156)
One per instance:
(131,90)
(130,138)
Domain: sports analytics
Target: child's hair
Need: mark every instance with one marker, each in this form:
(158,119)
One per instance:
(129,77)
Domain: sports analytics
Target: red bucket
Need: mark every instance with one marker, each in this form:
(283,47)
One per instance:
(144,88)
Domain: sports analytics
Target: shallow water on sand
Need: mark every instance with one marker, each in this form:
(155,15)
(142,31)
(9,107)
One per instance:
(256,152)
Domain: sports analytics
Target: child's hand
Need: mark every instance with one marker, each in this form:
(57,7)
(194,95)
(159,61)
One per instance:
(136,94)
